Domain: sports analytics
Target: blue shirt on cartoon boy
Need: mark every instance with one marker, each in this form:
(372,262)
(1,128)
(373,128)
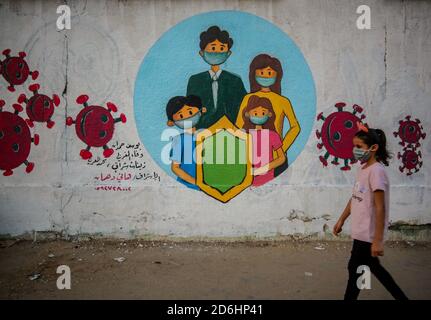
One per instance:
(185,113)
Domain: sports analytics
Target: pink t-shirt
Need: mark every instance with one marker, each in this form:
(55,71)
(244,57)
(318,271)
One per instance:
(363,217)
(264,142)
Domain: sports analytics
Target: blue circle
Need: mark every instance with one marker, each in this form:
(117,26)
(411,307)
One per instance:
(171,61)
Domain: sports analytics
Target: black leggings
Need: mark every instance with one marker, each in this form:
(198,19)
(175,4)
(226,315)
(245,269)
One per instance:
(361,255)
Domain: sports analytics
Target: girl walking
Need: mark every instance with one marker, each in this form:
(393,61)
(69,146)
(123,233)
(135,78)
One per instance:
(369,211)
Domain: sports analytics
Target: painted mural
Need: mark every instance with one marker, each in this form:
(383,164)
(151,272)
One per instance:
(94,125)
(221,108)
(336,135)
(410,133)
(16,137)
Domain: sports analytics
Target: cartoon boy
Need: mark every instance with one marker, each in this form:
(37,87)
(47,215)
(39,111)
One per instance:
(221,91)
(185,113)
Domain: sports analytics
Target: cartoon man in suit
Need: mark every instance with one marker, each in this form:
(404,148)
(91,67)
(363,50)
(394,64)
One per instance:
(221,91)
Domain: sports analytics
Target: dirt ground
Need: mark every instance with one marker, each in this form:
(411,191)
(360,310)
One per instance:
(201,270)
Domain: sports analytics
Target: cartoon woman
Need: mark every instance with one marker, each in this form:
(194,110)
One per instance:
(258,120)
(265,82)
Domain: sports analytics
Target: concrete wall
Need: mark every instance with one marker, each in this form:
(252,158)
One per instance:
(386,69)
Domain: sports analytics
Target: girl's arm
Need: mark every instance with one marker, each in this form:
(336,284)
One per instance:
(379,202)
(281,157)
(346,213)
(175,167)
(294,130)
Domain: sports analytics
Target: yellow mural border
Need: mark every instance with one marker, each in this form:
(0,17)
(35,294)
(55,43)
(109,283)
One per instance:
(223,124)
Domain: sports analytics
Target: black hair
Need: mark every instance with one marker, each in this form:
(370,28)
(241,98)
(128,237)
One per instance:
(214,33)
(176,103)
(376,136)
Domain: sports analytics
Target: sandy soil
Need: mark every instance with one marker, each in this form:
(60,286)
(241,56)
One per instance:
(196,270)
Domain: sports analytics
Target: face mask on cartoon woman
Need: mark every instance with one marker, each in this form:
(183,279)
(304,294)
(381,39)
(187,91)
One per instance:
(259,120)
(215,58)
(361,154)
(189,122)
(265,82)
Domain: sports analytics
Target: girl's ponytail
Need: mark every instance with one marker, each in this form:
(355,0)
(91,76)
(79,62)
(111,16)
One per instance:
(382,154)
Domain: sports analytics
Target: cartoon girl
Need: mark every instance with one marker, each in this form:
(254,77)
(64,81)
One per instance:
(265,76)
(258,120)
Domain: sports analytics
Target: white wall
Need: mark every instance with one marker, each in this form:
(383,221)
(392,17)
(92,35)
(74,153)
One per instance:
(386,69)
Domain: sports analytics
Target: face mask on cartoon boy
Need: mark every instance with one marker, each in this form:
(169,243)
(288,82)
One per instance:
(189,122)
(265,82)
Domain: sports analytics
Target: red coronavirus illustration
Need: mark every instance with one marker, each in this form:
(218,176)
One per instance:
(411,160)
(15,70)
(337,134)
(39,107)
(410,132)
(94,125)
(15,140)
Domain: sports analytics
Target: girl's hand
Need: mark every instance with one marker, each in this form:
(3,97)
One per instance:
(261,170)
(377,248)
(338,227)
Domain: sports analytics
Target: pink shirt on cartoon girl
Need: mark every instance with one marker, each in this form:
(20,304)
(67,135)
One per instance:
(363,213)
(264,142)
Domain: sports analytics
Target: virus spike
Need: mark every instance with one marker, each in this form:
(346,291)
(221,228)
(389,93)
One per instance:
(6,52)
(85,153)
(320,116)
(418,121)
(50,123)
(420,153)
(424,135)
(357,108)
(55,100)
(318,135)
(34,74)
(122,118)
(82,99)
(111,107)
(7,173)
(22,98)
(2,103)
(34,87)
(18,108)
(22,54)
(324,159)
(11,88)
(29,166)
(29,123)
(395,134)
(335,161)
(69,121)
(408,117)
(320,145)
(346,165)
(107,152)
(35,140)
(340,106)
(401,168)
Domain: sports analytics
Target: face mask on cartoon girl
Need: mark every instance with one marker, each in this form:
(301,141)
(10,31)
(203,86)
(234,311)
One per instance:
(361,154)
(189,122)
(215,58)
(259,120)
(265,82)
